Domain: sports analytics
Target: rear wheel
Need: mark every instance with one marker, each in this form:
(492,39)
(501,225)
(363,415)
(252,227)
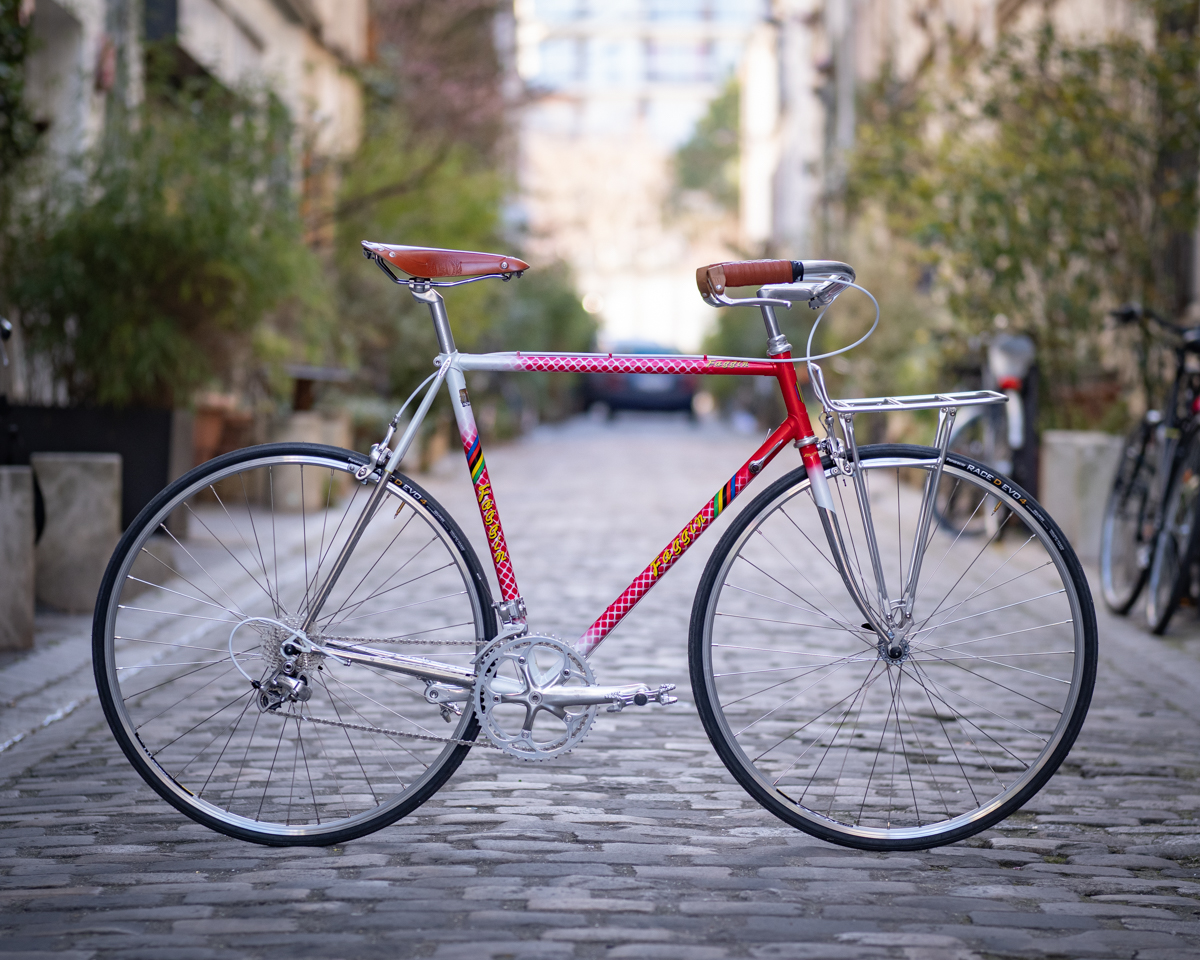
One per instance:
(1127,537)
(891,746)
(191,633)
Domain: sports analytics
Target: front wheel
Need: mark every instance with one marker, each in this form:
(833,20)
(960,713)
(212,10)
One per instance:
(893,746)
(202,681)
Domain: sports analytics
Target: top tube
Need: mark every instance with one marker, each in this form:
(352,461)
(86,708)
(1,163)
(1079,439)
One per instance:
(615,363)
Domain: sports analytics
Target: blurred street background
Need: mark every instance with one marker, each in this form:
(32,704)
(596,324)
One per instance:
(183,185)
(183,188)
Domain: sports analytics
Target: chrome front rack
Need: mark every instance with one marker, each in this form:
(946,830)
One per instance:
(920,401)
(844,452)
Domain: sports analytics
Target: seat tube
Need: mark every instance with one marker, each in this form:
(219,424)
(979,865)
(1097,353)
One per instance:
(488,511)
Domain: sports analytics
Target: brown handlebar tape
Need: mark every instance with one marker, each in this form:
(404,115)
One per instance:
(716,277)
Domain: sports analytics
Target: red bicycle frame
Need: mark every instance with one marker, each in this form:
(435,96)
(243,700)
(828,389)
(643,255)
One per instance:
(796,428)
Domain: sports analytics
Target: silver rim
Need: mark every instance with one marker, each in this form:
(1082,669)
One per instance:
(829,729)
(252,540)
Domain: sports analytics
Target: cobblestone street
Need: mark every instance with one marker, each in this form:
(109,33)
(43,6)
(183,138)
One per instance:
(639,844)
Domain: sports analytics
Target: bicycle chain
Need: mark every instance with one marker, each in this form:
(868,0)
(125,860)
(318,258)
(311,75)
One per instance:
(388,733)
(394,733)
(416,640)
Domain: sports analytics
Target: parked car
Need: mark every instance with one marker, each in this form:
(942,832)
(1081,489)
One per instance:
(640,391)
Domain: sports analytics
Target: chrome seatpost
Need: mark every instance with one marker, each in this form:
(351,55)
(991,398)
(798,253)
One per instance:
(426,294)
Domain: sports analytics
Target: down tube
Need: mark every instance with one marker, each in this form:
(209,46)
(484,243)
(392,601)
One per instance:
(667,557)
(488,510)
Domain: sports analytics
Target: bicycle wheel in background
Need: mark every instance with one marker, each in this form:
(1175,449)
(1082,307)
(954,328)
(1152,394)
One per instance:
(981,435)
(1127,536)
(837,736)
(1175,549)
(192,614)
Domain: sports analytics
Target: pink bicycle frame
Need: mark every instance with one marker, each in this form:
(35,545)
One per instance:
(795,427)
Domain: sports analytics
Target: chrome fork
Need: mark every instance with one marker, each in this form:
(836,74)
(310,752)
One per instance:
(888,617)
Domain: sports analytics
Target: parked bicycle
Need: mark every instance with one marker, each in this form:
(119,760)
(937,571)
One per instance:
(315,658)
(1001,436)
(1149,535)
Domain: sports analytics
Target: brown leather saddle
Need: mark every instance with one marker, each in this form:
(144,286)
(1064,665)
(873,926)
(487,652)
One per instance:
(429,262)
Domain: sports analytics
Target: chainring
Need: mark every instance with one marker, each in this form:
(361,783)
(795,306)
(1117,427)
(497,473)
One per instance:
(514,677)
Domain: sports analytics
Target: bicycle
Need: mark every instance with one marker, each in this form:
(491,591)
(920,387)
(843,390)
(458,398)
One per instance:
(1149,535)
(1001,436)
(884,686)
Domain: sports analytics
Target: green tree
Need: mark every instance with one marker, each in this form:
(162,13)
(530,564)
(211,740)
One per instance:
(171,257)
(1055,185)
(433,170)
(18,136)
(708,161)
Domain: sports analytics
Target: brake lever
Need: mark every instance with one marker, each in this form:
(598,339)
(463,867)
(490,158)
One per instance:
(717,300)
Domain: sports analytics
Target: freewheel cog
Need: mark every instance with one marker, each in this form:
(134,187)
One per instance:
(523,683)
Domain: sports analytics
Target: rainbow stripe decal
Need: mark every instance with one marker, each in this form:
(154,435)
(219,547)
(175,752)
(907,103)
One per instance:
(489,513)
(726,495)
(663,562)
(475,460)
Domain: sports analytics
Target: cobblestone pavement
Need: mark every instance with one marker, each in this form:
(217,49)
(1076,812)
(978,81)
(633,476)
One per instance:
(639,844)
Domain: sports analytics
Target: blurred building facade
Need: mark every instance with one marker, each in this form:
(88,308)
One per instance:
(303,51)
(79,58)
(811,57)
(616,86)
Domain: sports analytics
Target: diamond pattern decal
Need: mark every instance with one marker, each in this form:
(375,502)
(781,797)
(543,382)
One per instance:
(662,563)
(607,363)
(489,514)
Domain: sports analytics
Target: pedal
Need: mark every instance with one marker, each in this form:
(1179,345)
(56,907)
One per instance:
(639,694)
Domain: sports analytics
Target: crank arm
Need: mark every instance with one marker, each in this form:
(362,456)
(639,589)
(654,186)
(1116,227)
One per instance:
(617,697)
(418,667)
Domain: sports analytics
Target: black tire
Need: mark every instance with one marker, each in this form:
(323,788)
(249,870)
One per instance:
(798,698)
(178,658)
(1130,519)
(1176,545)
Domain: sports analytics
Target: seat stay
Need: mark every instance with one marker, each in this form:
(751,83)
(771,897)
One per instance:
(372,504)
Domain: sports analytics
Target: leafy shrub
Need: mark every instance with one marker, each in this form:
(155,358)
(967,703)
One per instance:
(151,266)
(1054,184)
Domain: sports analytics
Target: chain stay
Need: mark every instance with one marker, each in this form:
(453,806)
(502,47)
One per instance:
(414,640)
(383,730)
(386,732)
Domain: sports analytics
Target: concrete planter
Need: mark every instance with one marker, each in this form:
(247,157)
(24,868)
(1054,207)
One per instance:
(16,558)
(155,445)
(1077,470)
(311,426)
(82,492)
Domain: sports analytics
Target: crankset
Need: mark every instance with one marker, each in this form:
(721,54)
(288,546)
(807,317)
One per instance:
(537,697)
